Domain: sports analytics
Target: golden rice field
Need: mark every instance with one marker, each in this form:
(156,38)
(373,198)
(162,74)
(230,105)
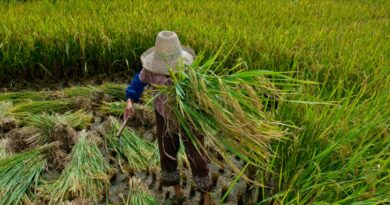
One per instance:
(64,65)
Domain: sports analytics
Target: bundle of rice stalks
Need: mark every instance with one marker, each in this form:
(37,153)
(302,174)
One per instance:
(138,194)
(75,91)
(227,107)
(19,173)
(117,91)
(86,176)
(36,107)
(23,96)
(143,115)
(45,122)
(136,150)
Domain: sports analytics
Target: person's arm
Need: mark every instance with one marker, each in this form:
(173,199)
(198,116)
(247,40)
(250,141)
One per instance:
(135,89)
(133,94)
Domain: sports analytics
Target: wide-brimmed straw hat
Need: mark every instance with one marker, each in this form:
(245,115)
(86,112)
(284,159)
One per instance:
(166,54)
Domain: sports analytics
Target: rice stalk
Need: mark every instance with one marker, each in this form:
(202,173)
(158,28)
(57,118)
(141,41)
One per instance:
(143,114)
(138,194)
(113,108)
(24,96)
(136,150)
(45,121)
(5,108)
(76,91)
(86,177)
(117,91)
(36,107)
(227,107)
(19,173)
(3,148)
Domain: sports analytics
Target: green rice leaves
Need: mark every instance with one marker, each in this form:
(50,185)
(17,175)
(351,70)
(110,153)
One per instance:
(20,172)
(138,194)
(86,177)
(135,150)
(45,122)
(228,109)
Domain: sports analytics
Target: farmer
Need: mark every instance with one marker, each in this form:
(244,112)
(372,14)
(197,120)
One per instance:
(156,61)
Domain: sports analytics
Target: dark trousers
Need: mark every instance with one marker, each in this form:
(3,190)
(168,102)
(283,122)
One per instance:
(169,144)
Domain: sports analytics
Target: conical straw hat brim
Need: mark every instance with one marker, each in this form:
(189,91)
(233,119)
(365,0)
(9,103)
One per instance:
(158,65)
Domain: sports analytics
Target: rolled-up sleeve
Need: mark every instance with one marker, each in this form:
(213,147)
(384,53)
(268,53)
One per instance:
(136,88)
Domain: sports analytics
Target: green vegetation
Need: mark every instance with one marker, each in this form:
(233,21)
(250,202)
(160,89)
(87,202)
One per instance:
(20,172)
(138,194)
(45,122)
(137,151)
(85,177)
(337,150)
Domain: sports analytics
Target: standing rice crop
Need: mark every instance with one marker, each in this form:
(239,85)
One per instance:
(19,173)
(86,177)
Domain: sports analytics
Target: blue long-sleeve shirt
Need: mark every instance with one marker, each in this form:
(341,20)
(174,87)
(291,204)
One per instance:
(135,89)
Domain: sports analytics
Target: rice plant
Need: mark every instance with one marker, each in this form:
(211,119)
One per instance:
(36,107)
(19,173)
(227,107)
(114,90)
(138,194)
(113,108)
(136,150)
(23,96)
(86,177)
(45,122)
(143,114)
(76,91)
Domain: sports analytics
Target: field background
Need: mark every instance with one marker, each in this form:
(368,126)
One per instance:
(341,150)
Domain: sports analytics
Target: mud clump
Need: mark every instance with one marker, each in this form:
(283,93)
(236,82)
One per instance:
(143,116)
(98,97)
(7,124)
(21,139)
(82,103)
(65,136)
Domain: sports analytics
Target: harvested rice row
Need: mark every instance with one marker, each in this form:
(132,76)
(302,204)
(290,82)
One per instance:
(115,91)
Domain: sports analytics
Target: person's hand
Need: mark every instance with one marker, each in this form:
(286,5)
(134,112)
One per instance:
(129,110)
